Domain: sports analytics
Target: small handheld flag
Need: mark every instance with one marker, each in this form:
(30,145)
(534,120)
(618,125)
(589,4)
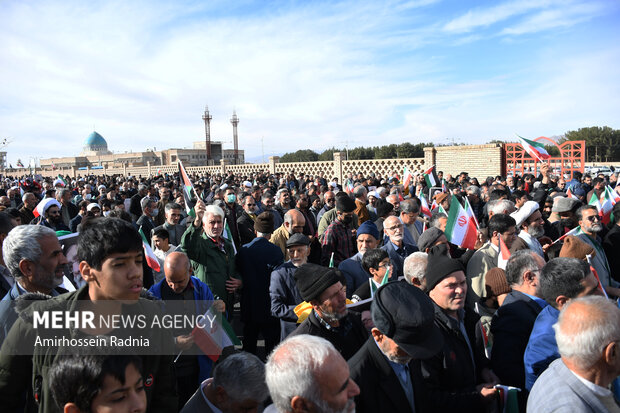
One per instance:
(431,177)
(535,149)
(151,259)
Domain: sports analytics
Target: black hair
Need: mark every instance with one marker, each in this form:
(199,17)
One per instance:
(119,213)
(6,223)
(13,212)
(79,378)
(500,223)
(372,258)
(105,236)
(161,233)
(497,194)
(562,276)
(517,194)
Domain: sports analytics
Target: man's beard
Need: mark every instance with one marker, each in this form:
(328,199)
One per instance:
(323,407)
(535,232)
(596,228)
(331,316)
(56,219)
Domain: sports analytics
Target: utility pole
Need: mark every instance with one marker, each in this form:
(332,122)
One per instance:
(235,121)
(207,118)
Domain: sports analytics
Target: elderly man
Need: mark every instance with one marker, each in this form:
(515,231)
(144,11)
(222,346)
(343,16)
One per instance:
(68,210)
(387,367)
(409,213)
(500,225)
(237,385)
(213,256)
(459,377)
(396,246)
(590,224)
(257,260)
(37,268)
(245,221)
(329,200)
(27,211)
(282,289)
(588,336)
(531,223)
(329,318)
(307,374)
(164,198)
(414,269)
(359,192)
(135,207)
(149,212)
(173,216)
(294,222)
(338,240)
(178,285)
(354,274)
(560,280)
(49,213)
(513,322)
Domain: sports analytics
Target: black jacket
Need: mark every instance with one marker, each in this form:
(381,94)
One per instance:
(347,344)
(245,225)
(611,245)
(511,328)
(380,390)
(451,376)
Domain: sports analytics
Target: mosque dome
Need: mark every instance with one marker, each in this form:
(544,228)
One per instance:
(95,142)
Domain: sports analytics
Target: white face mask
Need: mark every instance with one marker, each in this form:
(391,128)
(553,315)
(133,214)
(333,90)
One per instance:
(155,212)
(88,196)
(106,213)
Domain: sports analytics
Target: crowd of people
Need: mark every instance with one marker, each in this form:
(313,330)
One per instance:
(361,298)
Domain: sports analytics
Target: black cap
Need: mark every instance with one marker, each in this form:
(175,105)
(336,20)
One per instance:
(383,207)
(406,315)
(313,279)
(440,265)
(297,239)
(428,238)
(345,204)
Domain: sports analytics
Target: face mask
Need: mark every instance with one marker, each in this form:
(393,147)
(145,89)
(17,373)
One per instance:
(347,220)
(106,213)
(230,198)
(155,212)
(88,196)
(566,222)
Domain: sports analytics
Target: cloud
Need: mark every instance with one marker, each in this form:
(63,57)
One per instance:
(484,17)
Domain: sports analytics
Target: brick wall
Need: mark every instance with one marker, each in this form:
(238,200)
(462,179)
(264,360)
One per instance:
(479,161)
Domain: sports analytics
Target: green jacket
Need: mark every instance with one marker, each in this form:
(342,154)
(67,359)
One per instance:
(211,265)
(23,376)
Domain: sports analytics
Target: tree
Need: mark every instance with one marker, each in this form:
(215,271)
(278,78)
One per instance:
(302,155)
(602,143)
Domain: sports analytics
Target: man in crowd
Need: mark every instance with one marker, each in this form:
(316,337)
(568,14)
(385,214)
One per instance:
(135,206)
(268,204)
(359,192)
(212,255)
(6,279)
(237,385)
(307,374)
(68,209)
(611,244)
(282,289)
(293,223)
(329,200)
(173,216)
(560,280)
(338,239)
(588,336)
(414,269)
(257,260)
(246,221)
(387,367)
(531,224)
(355,276)
(500,225)
(396,246)
(458,377)
(329,318)
(27,211)
(409,212)
(149,211)
(164,198)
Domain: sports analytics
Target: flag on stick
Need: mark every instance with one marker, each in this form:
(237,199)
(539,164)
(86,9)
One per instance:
(535,149)
(188,190)
(424,208)
(575,231)
(407,178)
(228,235)
(504,254)
(151,259)
(214,335)
(461,228)
(431,177)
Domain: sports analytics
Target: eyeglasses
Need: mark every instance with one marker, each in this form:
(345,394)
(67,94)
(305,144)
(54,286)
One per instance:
(593,218)
(251,204)
(385,265)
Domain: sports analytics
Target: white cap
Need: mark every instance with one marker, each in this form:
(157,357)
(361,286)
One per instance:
(525,212)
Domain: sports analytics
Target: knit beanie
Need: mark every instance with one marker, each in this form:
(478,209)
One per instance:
(575,248)
(496,283)
(313,279)
(368,227)
(264,223)
(440,265)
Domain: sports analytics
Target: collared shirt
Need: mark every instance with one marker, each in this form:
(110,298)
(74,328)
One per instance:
(404,377)
(542,303)
(342,329)
(337,239)
(7,275)
(202,391)
(532,243)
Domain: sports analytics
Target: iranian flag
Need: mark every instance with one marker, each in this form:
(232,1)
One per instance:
(508,398)
(569,194)
(188,190)
(151,259)
(424,208)
(228,235)
(607,205)
(575,231)
(214,334)
(535,149)
(461,228)
(470,211)
(407,178)
(431,177)
(612,194)
(444,188)
(504,254)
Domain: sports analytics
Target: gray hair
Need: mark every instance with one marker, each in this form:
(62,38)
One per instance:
(292,366)
(409,206)
(415,266)
(435,219)
(60,192)
(278,194)
(215,210)
(145,202)
(242,376)
(518,263)
(359,191)
(171,205)
(22,243)
(381,190)
(501,206)
(25,196)
(473,190)
(587,335)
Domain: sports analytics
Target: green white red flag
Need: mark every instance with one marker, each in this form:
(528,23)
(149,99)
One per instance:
(228,235)
(188,190)
(407,178)
(214,335)
(151,259)
(470,211)
(431,177)
(504,254)
(424,208)
(461,228)
(535,149)
(603,205)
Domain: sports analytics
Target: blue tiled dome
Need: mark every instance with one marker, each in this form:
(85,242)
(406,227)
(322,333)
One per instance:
(95,141)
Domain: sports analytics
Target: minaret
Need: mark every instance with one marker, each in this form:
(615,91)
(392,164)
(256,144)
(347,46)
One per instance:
(235,121)
(207,118)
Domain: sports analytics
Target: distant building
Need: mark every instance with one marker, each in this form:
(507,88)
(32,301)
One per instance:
(95,153)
